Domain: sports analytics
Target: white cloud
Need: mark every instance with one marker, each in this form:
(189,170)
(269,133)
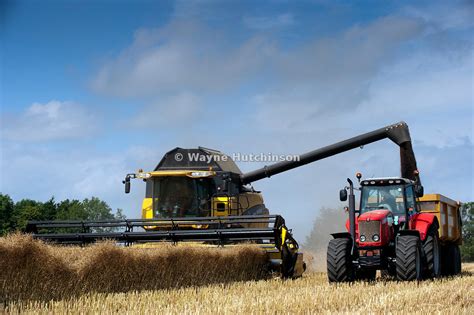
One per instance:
(331,77)
(40,172)
(178,109)
(51,121)
(445,15)
(181,56)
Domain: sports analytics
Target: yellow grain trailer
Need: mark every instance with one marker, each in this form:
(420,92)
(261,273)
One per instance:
(450,229)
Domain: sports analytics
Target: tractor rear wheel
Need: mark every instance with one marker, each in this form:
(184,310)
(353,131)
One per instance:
(408,258)
(431,249)
(339,260)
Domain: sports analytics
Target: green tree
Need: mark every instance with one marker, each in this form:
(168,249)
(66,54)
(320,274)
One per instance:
(49,209)
(119,215)
(24,211)
(14,216)
(467,248)
(71,210)
(6,213)
(97,209)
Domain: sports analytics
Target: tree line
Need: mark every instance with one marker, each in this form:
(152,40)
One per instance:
(15,215)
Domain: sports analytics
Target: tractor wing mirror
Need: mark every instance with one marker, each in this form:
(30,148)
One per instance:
(343,194)
(419,191)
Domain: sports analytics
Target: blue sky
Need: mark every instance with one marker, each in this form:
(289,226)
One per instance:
(91,90)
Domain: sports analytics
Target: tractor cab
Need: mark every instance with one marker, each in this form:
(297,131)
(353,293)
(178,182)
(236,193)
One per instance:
(386,206)
(397,195)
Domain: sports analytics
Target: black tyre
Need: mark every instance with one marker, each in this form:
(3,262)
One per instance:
(452,260)
(432,251)
(446,264)
(408,258)
(339,260)
(456,257)
(366,274)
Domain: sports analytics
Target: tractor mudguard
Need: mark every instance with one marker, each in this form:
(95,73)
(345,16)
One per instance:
(421,222)
(341,235)
(409,232)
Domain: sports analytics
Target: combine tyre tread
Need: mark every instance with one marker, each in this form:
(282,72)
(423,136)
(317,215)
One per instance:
(339,260)
(408,258)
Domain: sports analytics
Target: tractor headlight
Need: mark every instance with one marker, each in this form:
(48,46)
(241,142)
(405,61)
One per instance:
(376,238)
(362,238)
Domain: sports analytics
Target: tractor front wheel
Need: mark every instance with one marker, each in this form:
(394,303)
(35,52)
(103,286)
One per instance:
(408,258)
(339,260)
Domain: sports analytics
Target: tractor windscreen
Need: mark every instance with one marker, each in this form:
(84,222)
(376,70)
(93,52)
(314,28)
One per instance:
(180,196)
(383,197)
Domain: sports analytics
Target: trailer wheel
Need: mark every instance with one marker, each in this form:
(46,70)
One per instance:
(408,261)
(431,249)
(339,260)
(452,260)
(455,253)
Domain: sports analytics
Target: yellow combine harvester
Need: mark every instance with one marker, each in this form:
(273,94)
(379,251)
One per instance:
(200,195)
(193,195)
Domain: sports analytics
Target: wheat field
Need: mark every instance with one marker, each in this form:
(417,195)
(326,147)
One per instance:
(33,270)
(309,294)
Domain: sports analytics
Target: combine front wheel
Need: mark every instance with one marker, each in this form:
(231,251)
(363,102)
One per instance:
(408,264)
(339,260)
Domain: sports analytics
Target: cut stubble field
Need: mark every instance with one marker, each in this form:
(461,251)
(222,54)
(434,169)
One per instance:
(309,294)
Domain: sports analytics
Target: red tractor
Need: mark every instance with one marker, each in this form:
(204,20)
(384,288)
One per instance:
(392,232)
